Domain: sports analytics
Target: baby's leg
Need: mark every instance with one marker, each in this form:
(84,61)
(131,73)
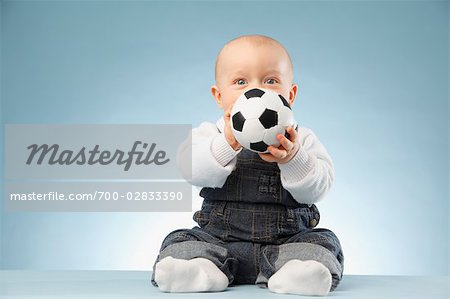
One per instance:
(308,278)
(191,260)
(303,257)
(195,275)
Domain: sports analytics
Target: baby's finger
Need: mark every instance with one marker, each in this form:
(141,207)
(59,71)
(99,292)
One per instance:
(267,157)
(277,153)
(293,135)
(286,143)
(227,117)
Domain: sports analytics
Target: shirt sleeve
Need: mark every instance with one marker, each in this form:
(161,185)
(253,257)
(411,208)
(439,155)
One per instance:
(213,159)
(309,175)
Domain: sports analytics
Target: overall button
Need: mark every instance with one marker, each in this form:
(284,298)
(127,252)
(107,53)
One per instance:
(200,218)
(196,215)
(312,222)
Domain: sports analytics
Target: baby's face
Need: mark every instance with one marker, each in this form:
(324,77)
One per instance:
(244,66)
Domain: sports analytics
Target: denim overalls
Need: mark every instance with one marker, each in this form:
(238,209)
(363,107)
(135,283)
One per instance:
(251,226)
(253,206)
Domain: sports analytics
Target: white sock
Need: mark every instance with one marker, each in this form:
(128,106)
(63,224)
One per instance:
(309,278)
(195,275)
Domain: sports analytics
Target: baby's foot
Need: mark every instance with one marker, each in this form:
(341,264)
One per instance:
(195,275)
(308,278)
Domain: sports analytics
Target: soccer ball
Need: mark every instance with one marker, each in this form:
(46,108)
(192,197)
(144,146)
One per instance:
(258,116)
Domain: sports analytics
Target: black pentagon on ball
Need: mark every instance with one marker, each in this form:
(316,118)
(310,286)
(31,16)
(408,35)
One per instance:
(260,146)
(269,118)
(254,93)
(285,103)
(238,121)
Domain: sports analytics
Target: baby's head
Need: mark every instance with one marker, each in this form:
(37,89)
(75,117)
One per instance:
(252,61)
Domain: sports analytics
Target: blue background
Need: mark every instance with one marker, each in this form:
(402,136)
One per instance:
(373,85)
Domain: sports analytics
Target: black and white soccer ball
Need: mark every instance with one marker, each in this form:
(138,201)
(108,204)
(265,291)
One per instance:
(258,116)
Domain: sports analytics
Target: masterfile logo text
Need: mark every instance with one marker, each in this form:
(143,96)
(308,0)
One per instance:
(97,167)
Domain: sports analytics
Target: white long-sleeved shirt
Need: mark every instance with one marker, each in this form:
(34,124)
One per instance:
(307,176)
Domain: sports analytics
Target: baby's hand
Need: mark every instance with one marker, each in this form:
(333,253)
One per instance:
(286,151)
(228,133)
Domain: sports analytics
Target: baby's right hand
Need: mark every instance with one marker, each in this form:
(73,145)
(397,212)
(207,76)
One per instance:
(228,133)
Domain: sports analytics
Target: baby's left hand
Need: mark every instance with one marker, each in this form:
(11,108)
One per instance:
(286,151)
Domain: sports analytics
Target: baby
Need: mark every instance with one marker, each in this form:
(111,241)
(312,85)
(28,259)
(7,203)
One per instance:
(257,220)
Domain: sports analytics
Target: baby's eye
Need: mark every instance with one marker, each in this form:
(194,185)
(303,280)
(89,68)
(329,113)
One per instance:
(240,82)
(271,81)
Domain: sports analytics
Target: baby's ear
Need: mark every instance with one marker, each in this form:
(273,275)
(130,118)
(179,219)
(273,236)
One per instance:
(216,94)
(293,93)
